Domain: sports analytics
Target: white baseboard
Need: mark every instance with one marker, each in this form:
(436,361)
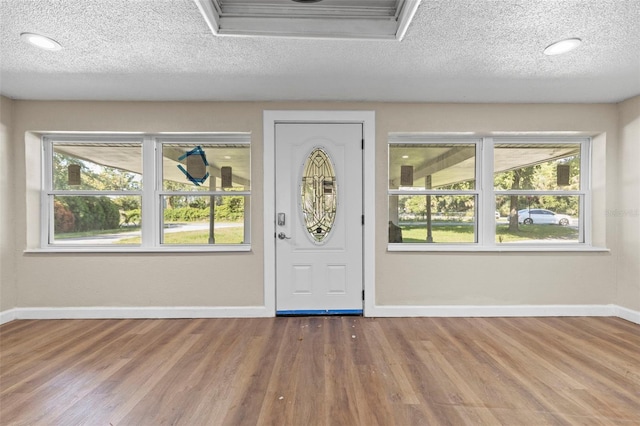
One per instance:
(141,312)
(6,316)
(627,314)
(494,311)
(376,311)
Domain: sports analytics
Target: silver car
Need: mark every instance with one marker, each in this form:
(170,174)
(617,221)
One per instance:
(542,217)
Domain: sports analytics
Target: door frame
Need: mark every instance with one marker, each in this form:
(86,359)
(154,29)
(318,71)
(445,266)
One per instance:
(367,119)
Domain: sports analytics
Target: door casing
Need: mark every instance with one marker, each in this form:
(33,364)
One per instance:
(367,119)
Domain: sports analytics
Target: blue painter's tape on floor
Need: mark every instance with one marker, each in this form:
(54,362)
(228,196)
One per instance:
(304,312)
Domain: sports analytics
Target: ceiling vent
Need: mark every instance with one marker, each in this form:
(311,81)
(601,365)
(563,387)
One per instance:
(344,19)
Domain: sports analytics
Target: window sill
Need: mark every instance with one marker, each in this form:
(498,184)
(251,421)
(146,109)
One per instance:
(565,248)
(221,248)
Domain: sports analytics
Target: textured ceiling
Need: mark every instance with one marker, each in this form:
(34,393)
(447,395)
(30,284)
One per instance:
(453,51)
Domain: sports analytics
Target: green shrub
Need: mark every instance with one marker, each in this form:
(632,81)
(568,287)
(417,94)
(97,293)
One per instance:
(230,210)
(131,217)
(93,213)
(63,218)
(186,214)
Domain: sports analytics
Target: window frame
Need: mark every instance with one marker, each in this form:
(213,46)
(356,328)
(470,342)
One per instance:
(584,192)
(413,139)
(236,139)
(151,193)
(485,201)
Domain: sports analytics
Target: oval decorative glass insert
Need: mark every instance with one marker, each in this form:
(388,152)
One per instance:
(319,194)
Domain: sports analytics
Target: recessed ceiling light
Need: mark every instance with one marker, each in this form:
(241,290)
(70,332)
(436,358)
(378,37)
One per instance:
(405,156)
(562,46)
(41,41)
(227,157)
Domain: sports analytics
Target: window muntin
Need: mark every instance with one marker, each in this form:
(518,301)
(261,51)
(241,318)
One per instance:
(109,207)
(432,191)
(512,174)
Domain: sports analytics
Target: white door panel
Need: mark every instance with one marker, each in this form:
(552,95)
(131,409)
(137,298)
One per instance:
(314,275)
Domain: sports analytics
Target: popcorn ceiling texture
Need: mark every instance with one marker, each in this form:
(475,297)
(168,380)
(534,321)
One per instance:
(454,51)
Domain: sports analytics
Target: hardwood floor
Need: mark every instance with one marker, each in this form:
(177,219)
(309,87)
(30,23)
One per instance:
(321,371)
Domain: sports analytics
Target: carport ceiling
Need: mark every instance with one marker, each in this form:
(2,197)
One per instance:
(462,169)
(453,51)
(113,155)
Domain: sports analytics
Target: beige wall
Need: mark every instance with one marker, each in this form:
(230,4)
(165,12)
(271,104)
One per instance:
(72,280)
(626,212)
(7,145)
(498,278)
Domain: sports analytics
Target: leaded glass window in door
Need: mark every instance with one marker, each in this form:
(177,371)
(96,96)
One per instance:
(318,194)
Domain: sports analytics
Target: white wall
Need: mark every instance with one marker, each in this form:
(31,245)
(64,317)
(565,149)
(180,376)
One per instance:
(95,280)
(626,212)
(7,180)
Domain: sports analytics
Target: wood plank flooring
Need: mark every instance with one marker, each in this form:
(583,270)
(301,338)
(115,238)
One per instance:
(321,371)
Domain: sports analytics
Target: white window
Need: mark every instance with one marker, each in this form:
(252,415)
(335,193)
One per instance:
(540,190)
(488,193)
(146,192)
(433,195)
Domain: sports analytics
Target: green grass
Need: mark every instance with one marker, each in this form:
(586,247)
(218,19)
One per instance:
(462,233)
(69,235)
(232,235)
(441,234)
(536,233)
(465,234)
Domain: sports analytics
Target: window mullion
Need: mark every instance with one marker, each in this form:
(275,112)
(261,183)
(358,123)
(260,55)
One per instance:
(46,205)
(487,204)
(149,203)
(586,206)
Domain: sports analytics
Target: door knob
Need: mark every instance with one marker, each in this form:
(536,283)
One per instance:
(283,236)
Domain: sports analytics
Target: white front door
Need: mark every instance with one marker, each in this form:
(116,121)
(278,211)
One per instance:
(318,204)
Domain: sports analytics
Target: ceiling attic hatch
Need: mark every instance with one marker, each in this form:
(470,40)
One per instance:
(342,19)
